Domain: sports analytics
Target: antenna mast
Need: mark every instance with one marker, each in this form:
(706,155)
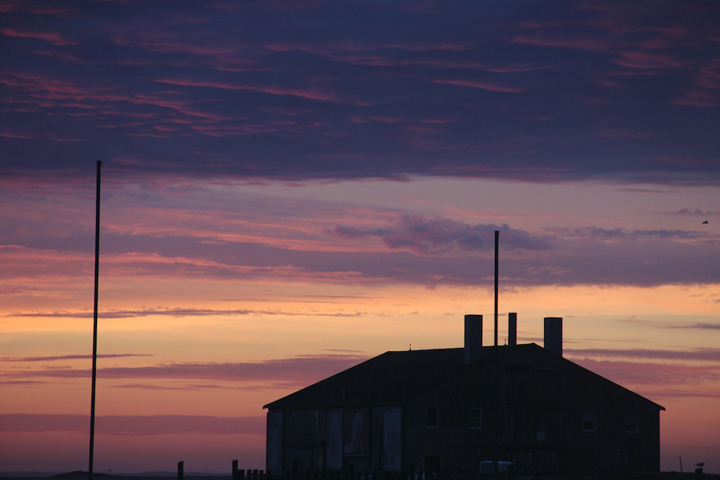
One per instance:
(497,241)
(95,322)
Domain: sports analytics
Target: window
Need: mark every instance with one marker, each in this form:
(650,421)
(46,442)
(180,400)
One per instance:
(432,420)
(476,418)
(632,423)
(589,421)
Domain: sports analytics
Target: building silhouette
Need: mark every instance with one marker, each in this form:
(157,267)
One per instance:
(459,410)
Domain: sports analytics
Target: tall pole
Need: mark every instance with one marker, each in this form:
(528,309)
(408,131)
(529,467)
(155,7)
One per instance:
(497,241)
(95,322)
(496,466)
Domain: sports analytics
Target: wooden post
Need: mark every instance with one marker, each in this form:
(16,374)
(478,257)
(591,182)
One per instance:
(181,470)
(235,470)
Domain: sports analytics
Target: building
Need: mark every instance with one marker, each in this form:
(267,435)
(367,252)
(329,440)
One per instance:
(458,410)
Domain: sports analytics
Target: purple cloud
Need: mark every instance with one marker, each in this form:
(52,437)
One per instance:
(133,425)
(702,354)
(442,236)
(265,89)
(653,375)
(699,326)
(297,371)
(697,212)
(168,312)
(72,357)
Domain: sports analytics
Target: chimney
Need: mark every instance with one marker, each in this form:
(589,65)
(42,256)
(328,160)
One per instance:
(473,338)
(553,334)
(512,329)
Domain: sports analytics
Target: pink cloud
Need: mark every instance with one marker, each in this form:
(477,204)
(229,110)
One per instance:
(562,42)
(134,425)
(440,236)
(273,90)
(698,98)
(658,375)
(60,91)
(17,135)
(647,60)
(620,133)
(10,6)
(167,44)
(292,372)
(480,85)
(50,37)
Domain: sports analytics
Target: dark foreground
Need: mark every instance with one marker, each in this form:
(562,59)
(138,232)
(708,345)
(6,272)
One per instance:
(79,475)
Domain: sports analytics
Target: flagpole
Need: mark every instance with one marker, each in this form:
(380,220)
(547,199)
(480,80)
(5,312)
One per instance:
(95,322)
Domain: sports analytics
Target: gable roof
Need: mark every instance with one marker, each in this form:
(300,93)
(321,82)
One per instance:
(396,376)
(386,379)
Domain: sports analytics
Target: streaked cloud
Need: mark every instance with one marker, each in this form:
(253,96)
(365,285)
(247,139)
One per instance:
(702,354)
(441,236)
(297,371)
(699,326)
(228,89)
(640,376)
(133,425)
(72,357)
(172,312)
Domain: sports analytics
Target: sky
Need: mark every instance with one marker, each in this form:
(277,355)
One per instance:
(290,188)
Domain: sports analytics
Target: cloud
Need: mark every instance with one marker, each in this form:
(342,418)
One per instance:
(604,234)
(442,236)
(653,380)
(702,354)
(231,89)
(482,86)
(72,357)
(657,373)
(696,212)
(50,37)
(170,312)
(699,326)
(133,425)
(381,248)
(296,371)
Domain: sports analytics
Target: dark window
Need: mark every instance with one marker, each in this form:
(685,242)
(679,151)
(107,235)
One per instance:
(589,421)
(632,424)
(476,418)
(432,419)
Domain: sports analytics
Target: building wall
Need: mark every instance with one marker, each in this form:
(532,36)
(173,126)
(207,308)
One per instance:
(543,417)
(461,440)
(347,439)
(581,420)
(552,417)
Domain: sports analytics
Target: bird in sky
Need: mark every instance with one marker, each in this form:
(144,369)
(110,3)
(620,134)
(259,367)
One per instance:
(705,222)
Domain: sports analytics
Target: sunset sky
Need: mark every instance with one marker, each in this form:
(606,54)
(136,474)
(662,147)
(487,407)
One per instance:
(291,187)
